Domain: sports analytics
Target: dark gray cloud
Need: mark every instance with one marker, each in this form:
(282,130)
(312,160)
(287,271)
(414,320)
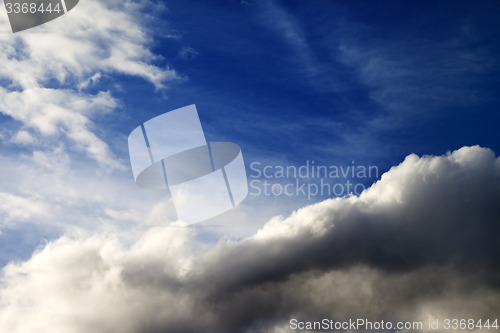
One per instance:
(419,244)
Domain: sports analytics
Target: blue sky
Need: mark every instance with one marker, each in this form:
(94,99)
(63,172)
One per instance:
(335,82)
(290,82)
(332,81)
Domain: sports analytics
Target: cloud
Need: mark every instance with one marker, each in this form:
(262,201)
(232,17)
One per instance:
(420,243)
(75,195)
(290,30)
(45,71)
(17,207)
(409,75)
(187,53)
(60,112)
(23,137)
(98,36)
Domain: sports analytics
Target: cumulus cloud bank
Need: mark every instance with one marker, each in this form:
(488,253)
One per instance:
(421,243)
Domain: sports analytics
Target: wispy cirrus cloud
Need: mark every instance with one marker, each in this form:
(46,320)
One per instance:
(410,76)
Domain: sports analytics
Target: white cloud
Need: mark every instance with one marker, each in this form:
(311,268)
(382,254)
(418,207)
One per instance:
(286,26)
(187,53)
(90,81)
(419,243)
(95,37)
(75,196)
(23,137)
(409,76)
(18,207)
(58,112)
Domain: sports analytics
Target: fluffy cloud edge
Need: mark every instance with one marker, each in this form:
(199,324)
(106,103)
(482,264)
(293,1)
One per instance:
(314,264)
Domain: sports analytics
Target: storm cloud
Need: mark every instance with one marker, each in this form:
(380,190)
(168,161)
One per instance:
(421,243)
